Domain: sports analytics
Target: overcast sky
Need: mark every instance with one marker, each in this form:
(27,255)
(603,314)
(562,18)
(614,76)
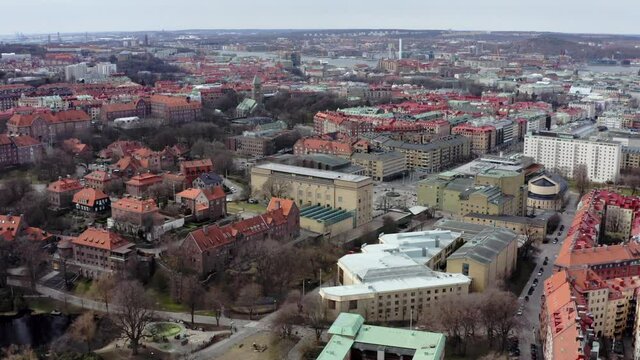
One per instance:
(50,16)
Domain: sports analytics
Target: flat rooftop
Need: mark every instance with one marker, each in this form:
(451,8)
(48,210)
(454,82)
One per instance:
(421,246)
(315,173)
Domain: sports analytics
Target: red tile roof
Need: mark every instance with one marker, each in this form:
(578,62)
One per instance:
(9,226)
(135,205)
(89,196)
(101,239)
(64,185)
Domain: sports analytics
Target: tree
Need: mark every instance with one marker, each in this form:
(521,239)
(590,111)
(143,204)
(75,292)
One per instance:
(218,298)
(249,296)
(315,315)
(83,329)
(5,257)
(32,257)
(15,352)
(192,295)
(275,188)
(497,309)
(133,312)
(285,319)
(581,178)
(389,225)
(104,287)
(553,223)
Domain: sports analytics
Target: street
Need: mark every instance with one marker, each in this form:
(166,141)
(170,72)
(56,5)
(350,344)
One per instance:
(531,309)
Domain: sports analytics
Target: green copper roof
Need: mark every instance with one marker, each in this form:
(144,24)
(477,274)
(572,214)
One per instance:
(346,324)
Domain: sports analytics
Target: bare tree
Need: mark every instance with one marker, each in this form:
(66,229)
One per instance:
(104,287)
(285,319)
(497,309)
(32,257)
(249,296)
(133,313)
(84,329)
(275,188)
(192,295)
(581,178)
(315,315)
(218,299)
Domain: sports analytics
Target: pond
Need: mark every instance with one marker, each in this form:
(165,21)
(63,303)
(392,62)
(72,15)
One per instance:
(33,330)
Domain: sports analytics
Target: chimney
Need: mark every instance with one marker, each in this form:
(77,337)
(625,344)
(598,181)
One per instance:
(437,241)
(204,229)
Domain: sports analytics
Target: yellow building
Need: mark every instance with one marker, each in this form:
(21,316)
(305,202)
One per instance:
(381,166)
(489,258)
(309,187)
(546,192)
(493,192)
(522,225)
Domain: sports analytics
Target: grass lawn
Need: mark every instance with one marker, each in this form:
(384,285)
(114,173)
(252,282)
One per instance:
(164,302)
(46,305)
(82,287)
(520,277)
(236,207)
(165,329)
(475,350)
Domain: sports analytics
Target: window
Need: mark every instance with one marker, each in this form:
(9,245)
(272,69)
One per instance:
(332,305)
(465,269)
(353,304)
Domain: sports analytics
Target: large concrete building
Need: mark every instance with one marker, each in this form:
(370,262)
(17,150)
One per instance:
(435,156)
(493,192)
(382,286)
(316,187)
(381,166)
(565,152)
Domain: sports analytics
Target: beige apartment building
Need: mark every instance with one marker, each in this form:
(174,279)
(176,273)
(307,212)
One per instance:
(381,166)
(312,187)
(534,227)
(435,156)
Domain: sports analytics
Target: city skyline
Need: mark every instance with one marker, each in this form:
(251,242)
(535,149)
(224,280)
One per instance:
(615,17)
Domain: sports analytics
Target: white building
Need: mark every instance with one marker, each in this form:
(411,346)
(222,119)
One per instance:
(589,107)
(612,120)
(82,71)
(564,152)
(389,287)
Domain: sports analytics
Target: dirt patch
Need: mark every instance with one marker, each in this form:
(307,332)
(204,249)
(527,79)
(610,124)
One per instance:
(277,348)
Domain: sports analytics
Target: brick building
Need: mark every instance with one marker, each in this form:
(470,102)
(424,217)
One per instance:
(210,248)
(19,150)
(194,168)
(135,216)
(61,192)
(173,109)
(98,251)
(140,108)
(483,138)
(100,180)
(47,125)
(139,184)
(207,203)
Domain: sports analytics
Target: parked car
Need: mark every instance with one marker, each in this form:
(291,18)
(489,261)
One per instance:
(545,262)
(555,241)
(531,290)
(252,201)
(526,298)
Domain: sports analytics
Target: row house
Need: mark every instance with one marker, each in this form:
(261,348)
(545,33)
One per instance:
(204,203)
(208,180)
(98,251)
(483,138)
(210,248)
(47,125)
(321,146)
(61,192)
(10,95)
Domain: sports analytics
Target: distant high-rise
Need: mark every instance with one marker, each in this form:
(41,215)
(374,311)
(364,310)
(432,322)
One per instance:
(146,39)
(400,49)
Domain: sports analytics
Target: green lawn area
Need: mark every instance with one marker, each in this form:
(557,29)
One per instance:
(164,302)
(236,207)
(522,274)
(82,287)
(46,305)
(165,329)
